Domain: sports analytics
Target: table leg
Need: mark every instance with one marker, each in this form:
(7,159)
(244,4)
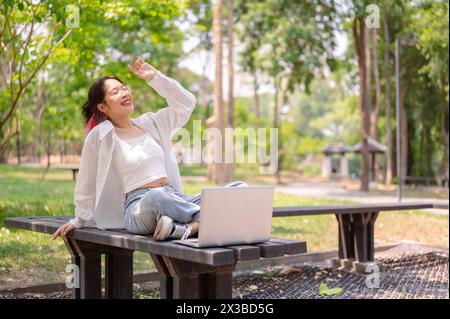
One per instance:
(346,236)
(217,285)
(364,236)
(75,261)
(90,269)
(193,281)
(356,241)
(119,273)
(165,279)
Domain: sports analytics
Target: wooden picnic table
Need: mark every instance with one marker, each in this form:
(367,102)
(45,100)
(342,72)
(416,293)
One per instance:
(355,227)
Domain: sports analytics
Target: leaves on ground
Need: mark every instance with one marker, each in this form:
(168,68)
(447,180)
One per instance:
(325,291)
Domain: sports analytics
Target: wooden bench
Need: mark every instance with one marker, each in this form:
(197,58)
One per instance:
(74,172)
(427,180)
(184,272)
(73,168)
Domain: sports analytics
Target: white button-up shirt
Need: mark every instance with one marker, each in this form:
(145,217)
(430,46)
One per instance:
(99,194)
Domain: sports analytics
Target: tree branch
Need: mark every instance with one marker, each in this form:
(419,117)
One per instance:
(4,26)
(21,89)
(27,43)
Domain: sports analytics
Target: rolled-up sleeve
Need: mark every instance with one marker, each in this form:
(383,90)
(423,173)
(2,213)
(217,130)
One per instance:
(84,195)
(181,102)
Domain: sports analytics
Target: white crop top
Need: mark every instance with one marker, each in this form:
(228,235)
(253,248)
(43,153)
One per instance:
(139,161)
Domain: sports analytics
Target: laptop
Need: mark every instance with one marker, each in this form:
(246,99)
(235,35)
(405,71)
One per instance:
(233,216)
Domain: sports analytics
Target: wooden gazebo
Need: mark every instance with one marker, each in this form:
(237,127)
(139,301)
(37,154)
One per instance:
(335,163)
(374,149)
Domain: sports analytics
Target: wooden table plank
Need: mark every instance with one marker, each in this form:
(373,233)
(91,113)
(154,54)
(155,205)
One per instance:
(270,250)
(285,211)
(291,247)
(245,252)
(440,206)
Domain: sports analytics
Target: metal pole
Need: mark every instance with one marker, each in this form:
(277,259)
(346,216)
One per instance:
(397,109)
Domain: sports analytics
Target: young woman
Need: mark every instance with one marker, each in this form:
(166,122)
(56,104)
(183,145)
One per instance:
(128,176)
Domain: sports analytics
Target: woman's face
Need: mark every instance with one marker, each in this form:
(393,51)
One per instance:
(119,102)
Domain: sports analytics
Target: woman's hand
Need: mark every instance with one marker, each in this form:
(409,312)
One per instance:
(142,69)
(63,230)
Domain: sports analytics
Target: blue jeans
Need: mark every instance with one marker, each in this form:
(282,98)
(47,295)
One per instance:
(144,207)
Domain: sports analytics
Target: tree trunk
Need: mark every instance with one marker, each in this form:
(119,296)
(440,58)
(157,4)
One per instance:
(41,103)
(255,95)
(230,114)
(49,149)
(281,103)
(403,135)
(18,146)
(61,151)
(216,171)
(360,38)
(204,90)
(279,100)
(4,152)
(65,149)
(230,64)
(276,124)
(428,152)
(387,68)
(376,73)
(4,147)
(444,134)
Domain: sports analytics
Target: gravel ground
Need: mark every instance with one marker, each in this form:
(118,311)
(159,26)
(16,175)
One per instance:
(423,276)
(410,271)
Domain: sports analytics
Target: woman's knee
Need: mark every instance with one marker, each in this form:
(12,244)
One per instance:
(158,201)
(141,223)
(154,199)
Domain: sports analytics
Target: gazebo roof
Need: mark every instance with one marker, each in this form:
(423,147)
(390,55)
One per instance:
(374,147)
(336,149)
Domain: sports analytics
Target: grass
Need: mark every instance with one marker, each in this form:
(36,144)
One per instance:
(247,172)
(27,257)
(421,192)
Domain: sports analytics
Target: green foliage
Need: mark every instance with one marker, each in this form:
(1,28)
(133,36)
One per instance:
(326,114)
(430,25)
(287,38)
(291,41)
(110,34)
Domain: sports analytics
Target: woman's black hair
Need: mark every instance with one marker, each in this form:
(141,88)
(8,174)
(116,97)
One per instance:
(96,96)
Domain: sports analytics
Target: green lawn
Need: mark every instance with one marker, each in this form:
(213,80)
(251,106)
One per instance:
(33,257)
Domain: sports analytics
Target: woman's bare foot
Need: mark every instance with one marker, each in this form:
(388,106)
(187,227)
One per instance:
(194,228)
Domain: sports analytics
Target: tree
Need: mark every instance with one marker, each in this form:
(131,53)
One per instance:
(230,109)
(387,70)
(108,37)
(20,35)
(431,27)
(360,37)
(216,166)
(375,110)
(290,42)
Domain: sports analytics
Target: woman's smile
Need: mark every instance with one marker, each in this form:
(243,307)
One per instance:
(126,101)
